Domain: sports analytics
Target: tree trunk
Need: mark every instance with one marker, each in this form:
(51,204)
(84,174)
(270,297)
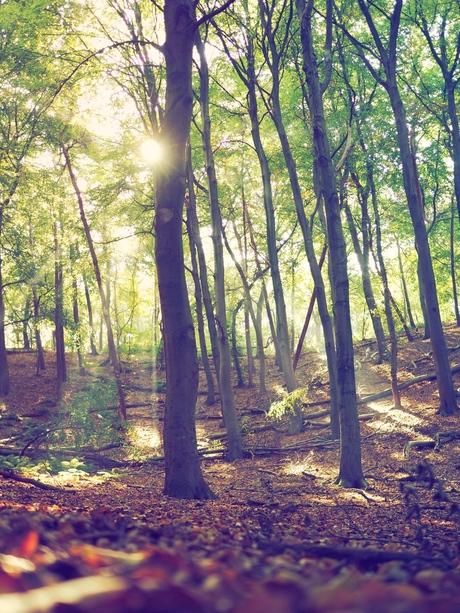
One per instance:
(227,398)
(38,339)
(183,477)
(351,474)
(234,345)
(210,398)
(97,273)
(25,324)
(280,305)
(408,308)
(387,297)
(92,344)
(4,369)
(61,367)
(273,104)
(452,268)
(362,255)
(250,310)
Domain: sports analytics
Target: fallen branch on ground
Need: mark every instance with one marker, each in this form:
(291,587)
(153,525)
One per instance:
(439,439)
(10,474)
(354,554)
(428,377)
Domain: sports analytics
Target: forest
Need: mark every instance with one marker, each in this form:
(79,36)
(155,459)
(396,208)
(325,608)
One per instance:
(229,314)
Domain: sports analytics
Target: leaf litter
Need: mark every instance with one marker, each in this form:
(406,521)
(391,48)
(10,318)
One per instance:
(281,537)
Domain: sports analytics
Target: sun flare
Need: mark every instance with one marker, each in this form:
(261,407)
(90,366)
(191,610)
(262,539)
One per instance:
(151,151)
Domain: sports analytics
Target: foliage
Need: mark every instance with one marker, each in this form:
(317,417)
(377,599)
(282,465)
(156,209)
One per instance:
(288,404)
(86,418)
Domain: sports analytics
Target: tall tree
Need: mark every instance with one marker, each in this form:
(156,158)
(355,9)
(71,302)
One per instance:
(350,474)
(386,52)
(183,477)
(235,450)
(114,359)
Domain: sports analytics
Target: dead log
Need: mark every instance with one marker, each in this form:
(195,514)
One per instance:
(428,377)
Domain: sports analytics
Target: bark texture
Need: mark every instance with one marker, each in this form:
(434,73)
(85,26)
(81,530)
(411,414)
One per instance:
(183,477)
(351,474)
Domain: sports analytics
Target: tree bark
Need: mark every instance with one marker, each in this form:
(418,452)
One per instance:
(350,474)
(227,398)
(183,477)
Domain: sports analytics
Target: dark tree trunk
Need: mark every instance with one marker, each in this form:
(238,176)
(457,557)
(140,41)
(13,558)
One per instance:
(351,474)
(183,477)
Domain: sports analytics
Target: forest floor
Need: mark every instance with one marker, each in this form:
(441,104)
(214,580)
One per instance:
(280,537)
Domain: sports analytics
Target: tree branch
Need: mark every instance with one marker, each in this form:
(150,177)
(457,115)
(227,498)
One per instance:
(213,13)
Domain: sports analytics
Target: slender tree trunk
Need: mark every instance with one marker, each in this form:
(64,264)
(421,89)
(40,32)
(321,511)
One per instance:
(25,324)
(271,49)
(362,255)
(248,340)
(183,476)
(256,324)
(234,345)
(452,268)
(351,474)
(404,286)
(387,297)
(210,398)
(61,367)
(235,450)
(282,329)
(89,306)
(38,339)
(4,368)
(97,273)
(205,292)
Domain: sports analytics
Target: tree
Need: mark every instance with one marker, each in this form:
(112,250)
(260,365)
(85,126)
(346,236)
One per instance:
(114,359)
(227,399)
(350,474)
(183,478)
(387,55)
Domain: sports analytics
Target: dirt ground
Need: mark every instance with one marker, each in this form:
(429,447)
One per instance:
(278,520)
